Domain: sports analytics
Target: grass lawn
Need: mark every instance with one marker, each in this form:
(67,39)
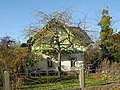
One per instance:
(69,84)
(65,84)
(94,82)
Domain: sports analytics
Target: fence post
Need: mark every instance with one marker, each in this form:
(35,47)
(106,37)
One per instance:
(6,81)
(81,77)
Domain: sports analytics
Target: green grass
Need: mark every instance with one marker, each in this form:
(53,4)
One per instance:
(54,86)
(66,83)
(93,82)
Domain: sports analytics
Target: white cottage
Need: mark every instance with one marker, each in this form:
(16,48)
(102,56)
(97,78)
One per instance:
(63,35)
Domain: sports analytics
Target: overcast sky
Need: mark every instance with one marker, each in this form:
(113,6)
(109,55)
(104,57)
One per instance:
(15,15)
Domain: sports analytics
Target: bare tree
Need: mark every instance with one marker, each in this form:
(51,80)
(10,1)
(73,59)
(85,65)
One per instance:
(57,35)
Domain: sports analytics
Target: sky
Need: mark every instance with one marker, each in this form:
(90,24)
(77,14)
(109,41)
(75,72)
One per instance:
(16,15)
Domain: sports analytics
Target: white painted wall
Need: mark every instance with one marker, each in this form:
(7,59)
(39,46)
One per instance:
(65,63)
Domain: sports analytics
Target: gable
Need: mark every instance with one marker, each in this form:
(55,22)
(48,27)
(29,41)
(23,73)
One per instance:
(55,31)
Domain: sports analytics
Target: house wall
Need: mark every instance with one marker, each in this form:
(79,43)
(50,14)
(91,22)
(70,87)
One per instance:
(65,63)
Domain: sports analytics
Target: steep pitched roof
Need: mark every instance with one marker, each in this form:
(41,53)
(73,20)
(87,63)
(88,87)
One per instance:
(77,31)
(81,35)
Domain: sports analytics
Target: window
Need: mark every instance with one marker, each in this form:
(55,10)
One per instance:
(49,63)
(73,62)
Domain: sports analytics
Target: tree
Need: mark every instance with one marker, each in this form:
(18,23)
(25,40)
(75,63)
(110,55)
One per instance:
(56,37)
(101,50)
(105,34)
(5,44)
(114,47)
(12,56)
(92,56)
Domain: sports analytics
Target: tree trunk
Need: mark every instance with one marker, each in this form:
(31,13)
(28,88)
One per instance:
(59,64)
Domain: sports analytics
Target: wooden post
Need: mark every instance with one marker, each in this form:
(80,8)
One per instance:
(6,81)
(81,77)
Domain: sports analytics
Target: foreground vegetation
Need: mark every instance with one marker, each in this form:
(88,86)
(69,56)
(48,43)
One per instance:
(66,82)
